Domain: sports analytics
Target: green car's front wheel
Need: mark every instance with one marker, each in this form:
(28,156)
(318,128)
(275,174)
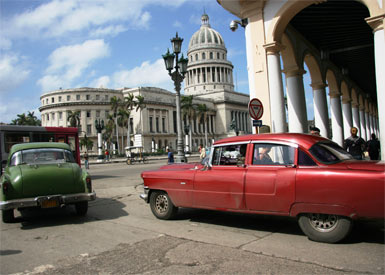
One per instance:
(8,215)
(81,208)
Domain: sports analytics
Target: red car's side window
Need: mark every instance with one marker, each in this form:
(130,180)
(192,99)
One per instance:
(304,159)
(272,154)
(229,154)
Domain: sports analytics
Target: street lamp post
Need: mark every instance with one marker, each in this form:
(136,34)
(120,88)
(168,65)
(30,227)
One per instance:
(99,127)
(177,76)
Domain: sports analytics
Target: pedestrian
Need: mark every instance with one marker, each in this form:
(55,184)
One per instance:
(373,148)
(354,144)
(314,131)
(86,163)
(202,152)
(107,154)
(170,156)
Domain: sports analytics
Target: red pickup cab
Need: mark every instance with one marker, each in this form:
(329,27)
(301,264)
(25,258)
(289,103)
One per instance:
(299,175)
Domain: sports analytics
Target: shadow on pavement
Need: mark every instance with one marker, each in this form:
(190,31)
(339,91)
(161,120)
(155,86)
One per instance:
(363,231)
(107,209)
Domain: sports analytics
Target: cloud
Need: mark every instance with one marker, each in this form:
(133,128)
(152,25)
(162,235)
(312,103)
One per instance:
(14,72)
(231,53)
(108,31)
(101,82)
(59,18)
(146,74)
(69,62)
(177,24)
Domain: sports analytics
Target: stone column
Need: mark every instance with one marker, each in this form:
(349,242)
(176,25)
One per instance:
(321,116)
(336,117)
(356,117)
(362,123)
(277,103)
(378,25)
(296,102)
(367,123)
(347,117)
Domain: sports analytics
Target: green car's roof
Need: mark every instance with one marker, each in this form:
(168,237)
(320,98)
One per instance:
(34,145)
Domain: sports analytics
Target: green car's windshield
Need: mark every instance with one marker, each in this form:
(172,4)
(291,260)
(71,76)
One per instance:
(329,152)
(41,155)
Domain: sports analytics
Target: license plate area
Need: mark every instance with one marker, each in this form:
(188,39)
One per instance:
(49,203)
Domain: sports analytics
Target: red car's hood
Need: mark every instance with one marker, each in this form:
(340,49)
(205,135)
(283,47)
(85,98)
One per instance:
(366,165)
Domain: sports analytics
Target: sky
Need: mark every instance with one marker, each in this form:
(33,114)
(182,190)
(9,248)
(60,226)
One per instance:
(47,45)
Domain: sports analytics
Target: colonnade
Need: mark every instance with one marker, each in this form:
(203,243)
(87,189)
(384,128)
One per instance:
(242,120)
(209,74)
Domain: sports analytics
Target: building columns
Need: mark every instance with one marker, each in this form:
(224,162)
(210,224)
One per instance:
(363,124)
(296,102)
(336,117)
(277,103)
(321,117)
(356,117)
(347,117)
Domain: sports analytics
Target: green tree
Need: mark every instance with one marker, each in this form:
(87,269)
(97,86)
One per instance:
(140,105)
(29,119)
(74,118)
(188,109)
(116,103)
(203,113)
(87,143)
(123,117)
(129,104)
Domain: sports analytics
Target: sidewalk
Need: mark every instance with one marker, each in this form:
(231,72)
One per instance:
(191,158)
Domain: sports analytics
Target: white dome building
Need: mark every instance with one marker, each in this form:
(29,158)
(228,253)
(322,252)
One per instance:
(208,80)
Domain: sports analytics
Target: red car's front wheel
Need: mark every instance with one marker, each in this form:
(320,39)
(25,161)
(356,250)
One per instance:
(162,206)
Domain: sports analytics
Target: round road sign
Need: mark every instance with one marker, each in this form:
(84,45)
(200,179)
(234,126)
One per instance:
(255,108)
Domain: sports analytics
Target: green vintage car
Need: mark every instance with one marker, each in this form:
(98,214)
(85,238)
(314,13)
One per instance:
(45,175)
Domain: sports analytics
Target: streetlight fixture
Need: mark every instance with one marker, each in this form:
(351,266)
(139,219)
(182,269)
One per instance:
(99,127)
(177,76)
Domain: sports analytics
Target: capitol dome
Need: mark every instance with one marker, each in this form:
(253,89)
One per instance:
(208,69)
(206,36)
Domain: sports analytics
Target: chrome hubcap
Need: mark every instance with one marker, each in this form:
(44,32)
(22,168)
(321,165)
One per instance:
(161,204)
(323,222)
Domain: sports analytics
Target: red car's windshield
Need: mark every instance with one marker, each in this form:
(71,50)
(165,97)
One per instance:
(329,152)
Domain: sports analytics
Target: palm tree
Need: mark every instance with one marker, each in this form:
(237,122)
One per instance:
(32,119)
(86,142)
(109,128)
(74,118)
(140,105)
(115,104)
(123,117)
(203,112)
(188,109)
(129,104)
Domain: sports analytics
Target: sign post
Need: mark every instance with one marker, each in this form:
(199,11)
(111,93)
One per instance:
(256,112)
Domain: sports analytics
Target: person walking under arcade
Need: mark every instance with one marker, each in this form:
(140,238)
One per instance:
(354,144)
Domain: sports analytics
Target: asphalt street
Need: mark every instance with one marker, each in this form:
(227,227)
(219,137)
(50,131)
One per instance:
(121,236)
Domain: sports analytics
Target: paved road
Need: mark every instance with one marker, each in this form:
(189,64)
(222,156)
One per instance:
(120,235)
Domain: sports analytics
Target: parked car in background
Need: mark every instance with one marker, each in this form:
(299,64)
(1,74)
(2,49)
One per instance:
(303,176)
(45,175)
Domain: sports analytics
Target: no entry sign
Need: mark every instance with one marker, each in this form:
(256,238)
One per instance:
(255,108)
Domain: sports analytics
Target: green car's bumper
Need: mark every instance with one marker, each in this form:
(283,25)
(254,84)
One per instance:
(39,201)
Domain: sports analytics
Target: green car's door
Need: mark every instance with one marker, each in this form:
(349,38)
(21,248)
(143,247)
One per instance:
(48,179)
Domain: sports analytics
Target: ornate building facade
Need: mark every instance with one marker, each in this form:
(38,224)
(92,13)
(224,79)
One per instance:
(208,80)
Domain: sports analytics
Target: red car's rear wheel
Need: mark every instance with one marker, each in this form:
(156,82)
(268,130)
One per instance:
(325,227)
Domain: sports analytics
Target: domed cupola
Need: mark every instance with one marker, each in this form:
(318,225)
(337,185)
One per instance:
(208,69)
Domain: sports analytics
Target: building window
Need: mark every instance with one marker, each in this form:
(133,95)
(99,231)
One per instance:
(89,128)
(47,117)
(88,113)
(68,97)
(196,57)
(60,115)
(203,56)
(59,98)
(211,55)
(52,100)
(164,125)
(88,97)
(53,116)
(157,124)
(97,97)
(46,101)
(217,55)
(150,121)
(77,97)
(106,114)
(97,113)
(106,97)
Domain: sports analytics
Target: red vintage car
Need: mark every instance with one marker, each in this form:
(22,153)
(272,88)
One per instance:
(299,175)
